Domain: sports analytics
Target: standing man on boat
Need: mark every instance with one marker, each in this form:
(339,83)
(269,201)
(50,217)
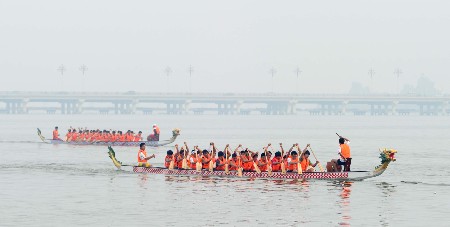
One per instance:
(344,152)
(56,134)
(142,156)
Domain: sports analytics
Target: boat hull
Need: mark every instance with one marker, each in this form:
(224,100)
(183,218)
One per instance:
(356,175)
(134,143)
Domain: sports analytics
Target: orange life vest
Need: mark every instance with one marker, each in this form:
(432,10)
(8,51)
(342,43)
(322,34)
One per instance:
(221,162)
(345,150)
(305,163)
(264,167)
(139,157)
(55,135)
(205,165)
(167,162)
(137,138)
(292,166)
(247,163)
(276,167)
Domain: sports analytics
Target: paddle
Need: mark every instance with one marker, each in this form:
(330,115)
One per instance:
(184,164)
(299,164)
(269,167)
(211,162)
(255,165)
(283,166)
(226,158)
(320,165)
(172,162)
(198,165)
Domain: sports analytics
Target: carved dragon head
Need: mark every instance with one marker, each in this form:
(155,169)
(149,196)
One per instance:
(386,156)
(176,132)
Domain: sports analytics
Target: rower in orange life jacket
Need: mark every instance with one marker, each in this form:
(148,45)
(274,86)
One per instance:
(168,159)
(138,137)
(262,163)
(292,162)
(56,134)
(142,156)
(221,161)
(234,162)
(247,162)
(206,158)
(306,164)
(276,162)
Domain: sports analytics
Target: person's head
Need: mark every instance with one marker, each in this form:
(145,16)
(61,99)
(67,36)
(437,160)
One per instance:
(154,125)
(234,156)
(169,152)
(341,140)
(205,152)
(306,154)
(140,132)
(255,157)
(114,132)
(277,154)
(142,146)
(220,154)
(69,130)
(74,130)
(56,128)
(294,154)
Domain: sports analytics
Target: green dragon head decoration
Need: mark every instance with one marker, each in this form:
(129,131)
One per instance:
(387,156)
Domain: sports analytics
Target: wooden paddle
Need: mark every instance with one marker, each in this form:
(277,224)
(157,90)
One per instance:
(211,162)
(226,159)
(255,164)
(184,164)
(269,167)
(172,162)
(283,166)
(299,164)
(320,165)
(198,165)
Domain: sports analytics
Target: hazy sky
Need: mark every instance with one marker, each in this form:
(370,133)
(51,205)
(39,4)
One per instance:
(231,45)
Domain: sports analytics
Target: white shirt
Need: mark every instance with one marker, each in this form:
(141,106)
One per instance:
(141,155)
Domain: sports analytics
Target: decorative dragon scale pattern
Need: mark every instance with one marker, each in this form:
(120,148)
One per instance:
(276,175)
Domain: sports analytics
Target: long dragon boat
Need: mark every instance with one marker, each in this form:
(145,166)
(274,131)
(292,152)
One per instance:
(386,155)
(175,134)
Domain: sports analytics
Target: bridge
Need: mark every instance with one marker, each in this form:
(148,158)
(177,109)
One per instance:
(219,103)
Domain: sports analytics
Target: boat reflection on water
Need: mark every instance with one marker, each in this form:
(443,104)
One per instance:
(344,203)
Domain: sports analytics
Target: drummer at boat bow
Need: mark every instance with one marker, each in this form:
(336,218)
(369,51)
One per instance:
(142,156)
(56,134)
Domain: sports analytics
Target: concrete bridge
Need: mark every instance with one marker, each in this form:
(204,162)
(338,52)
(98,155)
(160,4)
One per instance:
(219,103)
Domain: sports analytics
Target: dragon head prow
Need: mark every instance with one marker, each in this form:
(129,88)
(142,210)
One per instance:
(387,155)
(176,132)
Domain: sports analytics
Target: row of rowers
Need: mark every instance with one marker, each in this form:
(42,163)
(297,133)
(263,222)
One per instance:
(103,136)
(241,158)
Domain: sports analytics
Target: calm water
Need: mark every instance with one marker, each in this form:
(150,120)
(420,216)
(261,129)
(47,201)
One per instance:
(54,185)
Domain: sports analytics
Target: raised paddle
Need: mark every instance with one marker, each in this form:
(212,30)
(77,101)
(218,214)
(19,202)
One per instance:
(283,166)
(198,165)
(172,162)
(184,164)
(299,164)
(211,162)
(226,158)
(320,165)
(269,167)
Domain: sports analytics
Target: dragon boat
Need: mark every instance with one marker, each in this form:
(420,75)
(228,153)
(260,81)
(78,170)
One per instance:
(175,134)
(386,155)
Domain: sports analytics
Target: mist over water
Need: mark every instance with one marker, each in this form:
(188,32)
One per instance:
(78,185)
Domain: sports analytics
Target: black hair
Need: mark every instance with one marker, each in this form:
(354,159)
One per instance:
(307,152)
(205,151)
(294,153)
(169,152)
(220,154)
(234,155)
(263,155)
(341,140)
(277,154)
(141,144)
(255,155)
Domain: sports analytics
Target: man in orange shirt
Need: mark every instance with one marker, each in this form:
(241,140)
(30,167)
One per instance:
(56,134)
(142,156)
(138,137)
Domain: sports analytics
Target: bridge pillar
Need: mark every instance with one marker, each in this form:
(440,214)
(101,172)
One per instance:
(444,108)
(292,107)
(63,108)
(344,107)
(394,105)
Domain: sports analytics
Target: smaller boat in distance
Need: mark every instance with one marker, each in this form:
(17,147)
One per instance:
(386,155)
(175,134)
